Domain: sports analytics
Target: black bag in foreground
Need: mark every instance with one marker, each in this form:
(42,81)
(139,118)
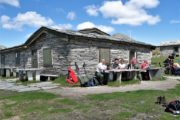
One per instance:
(173,107)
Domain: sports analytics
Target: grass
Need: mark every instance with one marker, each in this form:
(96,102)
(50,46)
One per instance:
(137,103)
(117,106)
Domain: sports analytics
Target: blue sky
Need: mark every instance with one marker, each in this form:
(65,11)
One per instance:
(150,21)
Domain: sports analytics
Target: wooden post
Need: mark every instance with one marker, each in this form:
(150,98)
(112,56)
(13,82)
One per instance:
(119,77)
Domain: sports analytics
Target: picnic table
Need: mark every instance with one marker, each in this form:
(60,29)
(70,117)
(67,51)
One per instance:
(120,71)
(30,73)
(152,72)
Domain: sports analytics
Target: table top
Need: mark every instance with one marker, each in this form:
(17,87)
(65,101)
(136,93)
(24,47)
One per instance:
(29,69)
(125,70)
(130,70)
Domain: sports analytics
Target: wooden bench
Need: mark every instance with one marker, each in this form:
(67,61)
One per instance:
(29,73)
(120,71)
(44,77)
(8,72)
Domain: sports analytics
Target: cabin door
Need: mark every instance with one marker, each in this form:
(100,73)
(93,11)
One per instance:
(104,53)
(132,54)
(34,59)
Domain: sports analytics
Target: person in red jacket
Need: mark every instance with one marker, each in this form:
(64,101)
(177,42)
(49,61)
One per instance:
(145,65)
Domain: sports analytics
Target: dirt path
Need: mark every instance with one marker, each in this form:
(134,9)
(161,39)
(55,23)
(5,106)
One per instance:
(171,82)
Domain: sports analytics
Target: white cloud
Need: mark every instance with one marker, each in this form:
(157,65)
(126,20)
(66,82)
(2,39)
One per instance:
(62,26)
(133,12)
(14,3)
(175,22)
(92,10)
(144,3)
(30,18)
(87,24)
(71,15)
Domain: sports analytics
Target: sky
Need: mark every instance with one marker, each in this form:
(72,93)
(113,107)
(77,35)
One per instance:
(149,21)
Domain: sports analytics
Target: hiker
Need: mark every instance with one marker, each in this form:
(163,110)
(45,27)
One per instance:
(115,65)
(176,68)
(101,67)
(122,65)
(134,63)
(168,64)
(145,66)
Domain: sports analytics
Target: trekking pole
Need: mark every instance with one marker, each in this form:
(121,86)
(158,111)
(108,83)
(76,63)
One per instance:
(77,68)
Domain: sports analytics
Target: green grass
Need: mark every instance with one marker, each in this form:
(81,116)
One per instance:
(138,102)
(117,106)
(156,60)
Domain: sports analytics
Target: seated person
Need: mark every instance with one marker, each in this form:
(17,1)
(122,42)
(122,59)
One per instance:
(176,67)
(134,63)
(168,64)
(101,67)
(145,66)
(122,65)
(115,65)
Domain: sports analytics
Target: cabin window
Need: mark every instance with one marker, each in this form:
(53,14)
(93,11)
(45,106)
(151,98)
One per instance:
(47,57)
(17,59)
(104,53)
(2,60)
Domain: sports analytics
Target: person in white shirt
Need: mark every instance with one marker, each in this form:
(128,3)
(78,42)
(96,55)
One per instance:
(122,65)
(101,67)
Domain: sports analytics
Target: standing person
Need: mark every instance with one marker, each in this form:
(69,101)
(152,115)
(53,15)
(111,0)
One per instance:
(101,67)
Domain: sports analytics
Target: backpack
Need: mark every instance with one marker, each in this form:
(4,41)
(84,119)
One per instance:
(173,107)
(85,82)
